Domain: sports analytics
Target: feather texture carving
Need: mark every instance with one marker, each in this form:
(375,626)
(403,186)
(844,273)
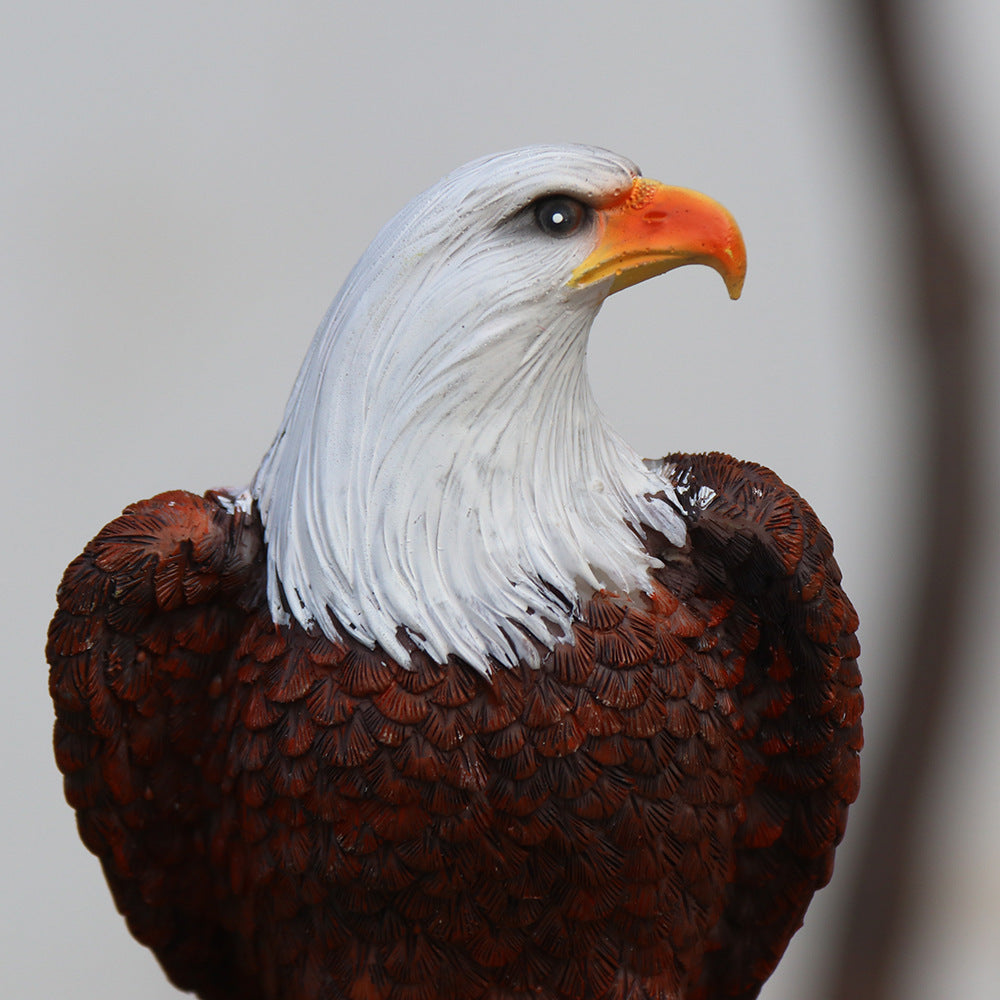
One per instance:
(646,814)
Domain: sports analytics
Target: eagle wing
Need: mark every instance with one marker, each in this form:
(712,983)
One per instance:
(146,618)
(754,538)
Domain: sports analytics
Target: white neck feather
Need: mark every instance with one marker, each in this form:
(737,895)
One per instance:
(442,469)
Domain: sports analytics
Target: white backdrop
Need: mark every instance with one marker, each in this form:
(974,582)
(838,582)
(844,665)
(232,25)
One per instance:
(184,186)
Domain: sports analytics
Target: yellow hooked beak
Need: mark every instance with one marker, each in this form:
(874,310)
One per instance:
(656,228)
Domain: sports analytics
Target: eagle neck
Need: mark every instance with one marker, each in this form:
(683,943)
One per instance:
(456,488)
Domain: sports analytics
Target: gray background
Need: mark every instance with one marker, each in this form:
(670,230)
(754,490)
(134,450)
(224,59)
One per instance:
(183,187)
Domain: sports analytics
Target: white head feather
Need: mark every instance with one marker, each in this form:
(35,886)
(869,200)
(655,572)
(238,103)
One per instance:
(442,469)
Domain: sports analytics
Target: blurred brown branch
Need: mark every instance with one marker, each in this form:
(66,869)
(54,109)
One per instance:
(945,328)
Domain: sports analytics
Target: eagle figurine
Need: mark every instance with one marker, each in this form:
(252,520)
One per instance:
(460,699)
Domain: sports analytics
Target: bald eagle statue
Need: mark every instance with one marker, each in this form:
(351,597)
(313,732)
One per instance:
(460,699)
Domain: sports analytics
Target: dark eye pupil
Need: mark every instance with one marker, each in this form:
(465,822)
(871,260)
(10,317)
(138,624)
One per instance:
(559,216)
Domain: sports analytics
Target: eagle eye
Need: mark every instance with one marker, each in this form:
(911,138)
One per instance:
(559,215)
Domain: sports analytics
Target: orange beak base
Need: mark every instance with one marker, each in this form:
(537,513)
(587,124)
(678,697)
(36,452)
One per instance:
(657,228)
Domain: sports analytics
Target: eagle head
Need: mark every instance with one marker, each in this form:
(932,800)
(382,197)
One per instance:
(443,478)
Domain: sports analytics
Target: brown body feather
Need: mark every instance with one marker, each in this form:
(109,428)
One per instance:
(281,816)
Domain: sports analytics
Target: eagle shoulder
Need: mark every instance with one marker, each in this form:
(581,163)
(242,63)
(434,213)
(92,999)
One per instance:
(146,618)
(753,537)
